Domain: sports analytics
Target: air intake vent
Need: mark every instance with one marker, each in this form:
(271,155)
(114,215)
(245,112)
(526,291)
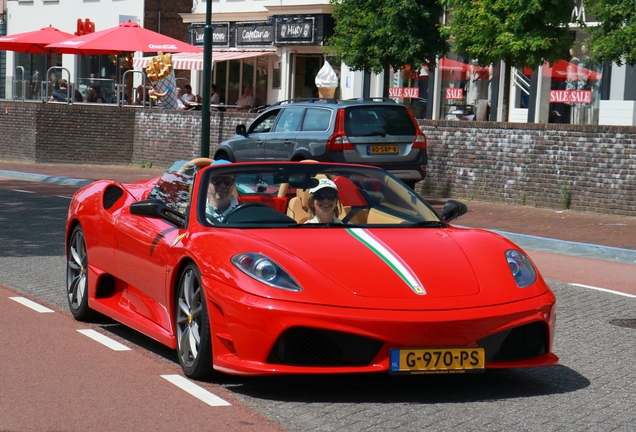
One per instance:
(111,195)
(520,343)
(302,346)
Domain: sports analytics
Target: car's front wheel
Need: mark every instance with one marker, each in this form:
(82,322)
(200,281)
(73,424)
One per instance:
(194,346)
(77,276)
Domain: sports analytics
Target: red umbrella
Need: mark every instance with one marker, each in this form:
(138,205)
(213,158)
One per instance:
(127,37)
(33,42)
(565,70)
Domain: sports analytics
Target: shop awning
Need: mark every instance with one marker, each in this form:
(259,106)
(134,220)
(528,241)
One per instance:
(194,61)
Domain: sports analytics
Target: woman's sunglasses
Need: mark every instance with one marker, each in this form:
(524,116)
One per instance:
(228,181)
(323,196)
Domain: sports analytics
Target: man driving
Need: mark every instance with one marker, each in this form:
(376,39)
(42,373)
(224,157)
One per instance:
(220,199)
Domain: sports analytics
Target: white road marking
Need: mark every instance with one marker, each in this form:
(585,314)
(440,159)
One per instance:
(31,304)
(196,391)
(24,191)
(604,290)
(104,340)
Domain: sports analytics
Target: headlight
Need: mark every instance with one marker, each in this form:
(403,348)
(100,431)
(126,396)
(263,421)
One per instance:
(521,268)
(265,270)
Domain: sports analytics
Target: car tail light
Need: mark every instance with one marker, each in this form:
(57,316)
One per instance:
(339,141)
(420,138)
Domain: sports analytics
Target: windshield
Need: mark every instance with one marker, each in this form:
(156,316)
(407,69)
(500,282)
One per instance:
(307,195)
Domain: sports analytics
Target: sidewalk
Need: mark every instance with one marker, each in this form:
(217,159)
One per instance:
(560,231)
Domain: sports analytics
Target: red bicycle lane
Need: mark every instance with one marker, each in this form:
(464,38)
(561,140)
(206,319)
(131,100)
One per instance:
(52,377)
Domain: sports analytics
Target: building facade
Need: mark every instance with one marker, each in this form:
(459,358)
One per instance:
(276,47)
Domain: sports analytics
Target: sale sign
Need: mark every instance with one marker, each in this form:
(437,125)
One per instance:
(454,93)
(404,92)
(571,96)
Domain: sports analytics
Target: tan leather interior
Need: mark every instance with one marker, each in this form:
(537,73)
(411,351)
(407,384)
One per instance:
(359,218)
(377,216)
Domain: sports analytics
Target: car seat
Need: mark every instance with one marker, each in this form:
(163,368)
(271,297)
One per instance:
(354,205)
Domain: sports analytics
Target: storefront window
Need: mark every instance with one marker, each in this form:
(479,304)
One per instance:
(574,85)
(220,72)
(234,84)
(260,91)
(307,67)
(464,90)
(99,72)
(35,68)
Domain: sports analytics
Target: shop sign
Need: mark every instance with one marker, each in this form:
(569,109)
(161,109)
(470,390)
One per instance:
(254,34)
(453,93)
(295,31)
(571,96)
(220,34)
(84,27)
(404,92)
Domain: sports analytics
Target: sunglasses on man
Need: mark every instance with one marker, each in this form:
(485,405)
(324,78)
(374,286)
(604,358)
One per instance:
(321,196)
(218,181)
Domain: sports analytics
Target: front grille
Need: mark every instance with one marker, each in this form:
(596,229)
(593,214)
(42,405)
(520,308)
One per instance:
(301,346)
(519,343)
(111,195)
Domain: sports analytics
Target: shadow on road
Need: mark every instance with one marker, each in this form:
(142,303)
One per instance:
(384,388)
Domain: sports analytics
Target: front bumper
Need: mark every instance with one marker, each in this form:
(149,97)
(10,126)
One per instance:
(247,330)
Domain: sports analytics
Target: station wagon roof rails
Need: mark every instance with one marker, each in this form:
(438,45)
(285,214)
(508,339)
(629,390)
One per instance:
(373,99)
(307,100)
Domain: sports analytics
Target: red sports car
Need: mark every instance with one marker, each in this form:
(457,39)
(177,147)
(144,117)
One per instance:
(234,266)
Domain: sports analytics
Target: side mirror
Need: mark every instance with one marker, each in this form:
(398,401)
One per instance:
(157,209)
(241,130)
(453,209)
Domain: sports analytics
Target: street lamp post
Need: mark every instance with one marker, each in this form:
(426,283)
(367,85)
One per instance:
(207,81)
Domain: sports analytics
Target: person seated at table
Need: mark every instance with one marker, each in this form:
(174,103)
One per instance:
(180,103)
(95,95)
(215,99)
(123,97)
(246,101)
(190,100)
(61,93)
(140,95)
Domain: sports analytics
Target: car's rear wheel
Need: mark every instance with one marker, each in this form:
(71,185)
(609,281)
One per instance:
(194,346)
(77,276)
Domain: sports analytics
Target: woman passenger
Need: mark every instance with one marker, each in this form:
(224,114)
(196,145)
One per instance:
(323,203)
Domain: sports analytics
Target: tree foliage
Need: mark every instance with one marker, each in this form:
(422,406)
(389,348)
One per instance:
(521,32)
(615,38)
(369,35)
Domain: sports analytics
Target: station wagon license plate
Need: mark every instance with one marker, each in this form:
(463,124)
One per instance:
(386,149)
(437,360)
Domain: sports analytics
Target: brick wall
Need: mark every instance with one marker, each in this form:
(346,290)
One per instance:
(542,165)
(17,131)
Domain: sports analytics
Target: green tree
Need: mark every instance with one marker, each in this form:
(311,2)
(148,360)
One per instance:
(615,38)
(520,32)
(373,35)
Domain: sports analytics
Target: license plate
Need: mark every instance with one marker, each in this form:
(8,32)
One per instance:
(390,149)
(437,360)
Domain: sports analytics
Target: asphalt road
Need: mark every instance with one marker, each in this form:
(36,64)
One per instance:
(593,388)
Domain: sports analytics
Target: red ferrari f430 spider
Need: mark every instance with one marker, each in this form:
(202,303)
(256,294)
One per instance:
(286,268)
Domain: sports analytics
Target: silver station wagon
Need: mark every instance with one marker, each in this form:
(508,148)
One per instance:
(371,131)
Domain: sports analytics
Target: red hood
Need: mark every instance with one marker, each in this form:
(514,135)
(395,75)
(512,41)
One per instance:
(456,268)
